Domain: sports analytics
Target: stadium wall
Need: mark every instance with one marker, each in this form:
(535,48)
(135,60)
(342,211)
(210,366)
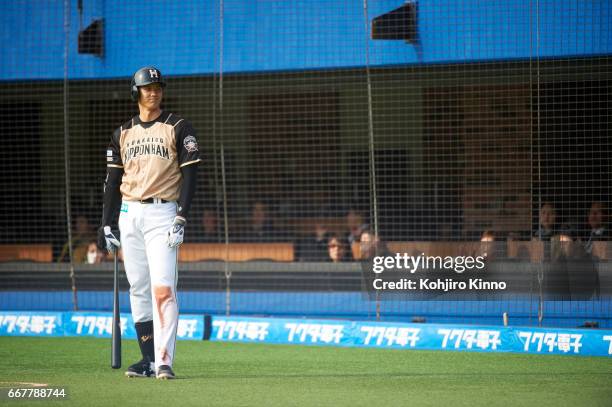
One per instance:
(341,333)
(271,35)
(349,305)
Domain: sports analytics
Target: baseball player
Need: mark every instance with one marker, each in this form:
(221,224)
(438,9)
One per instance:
(151,178)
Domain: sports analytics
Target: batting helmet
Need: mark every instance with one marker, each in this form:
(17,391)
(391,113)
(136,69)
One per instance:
(145,76)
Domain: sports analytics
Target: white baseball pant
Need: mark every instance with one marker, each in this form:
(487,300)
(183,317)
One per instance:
(151,269)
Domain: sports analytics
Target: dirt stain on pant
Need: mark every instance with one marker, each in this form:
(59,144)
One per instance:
(163,299)
(164,358)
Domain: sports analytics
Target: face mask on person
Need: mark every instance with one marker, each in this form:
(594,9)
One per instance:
(91,257)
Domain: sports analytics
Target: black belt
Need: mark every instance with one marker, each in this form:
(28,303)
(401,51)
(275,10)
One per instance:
(152,200)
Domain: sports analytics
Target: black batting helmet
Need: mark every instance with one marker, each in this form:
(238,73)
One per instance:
(145,76)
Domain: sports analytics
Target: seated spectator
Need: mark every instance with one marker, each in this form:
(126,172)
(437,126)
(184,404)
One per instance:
(572,272)
(82,234)
(260,227)
(555,282)
(562,244)
(207,230)
(371,246)
(597,226)
(93,255)
(355,224)
(338,249)
(313,247)
(487,245)
(547,222)
(547,227)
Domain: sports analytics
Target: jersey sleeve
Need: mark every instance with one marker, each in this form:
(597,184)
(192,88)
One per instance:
(113,152)
(187,145)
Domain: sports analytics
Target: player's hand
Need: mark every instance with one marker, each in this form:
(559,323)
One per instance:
(177,232)
(107,240)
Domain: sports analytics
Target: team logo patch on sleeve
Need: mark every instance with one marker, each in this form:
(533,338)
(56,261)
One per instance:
(109,153)
(190,143)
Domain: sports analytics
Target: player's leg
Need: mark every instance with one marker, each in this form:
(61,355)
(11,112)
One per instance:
(163,268)
(137,272)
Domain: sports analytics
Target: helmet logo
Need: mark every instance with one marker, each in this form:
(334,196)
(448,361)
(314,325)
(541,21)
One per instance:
(153,73)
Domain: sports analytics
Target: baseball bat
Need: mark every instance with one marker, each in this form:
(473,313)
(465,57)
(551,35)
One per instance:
(116,332)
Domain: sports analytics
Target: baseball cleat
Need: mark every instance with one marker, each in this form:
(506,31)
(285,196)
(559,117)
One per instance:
(142,368)
(165,372)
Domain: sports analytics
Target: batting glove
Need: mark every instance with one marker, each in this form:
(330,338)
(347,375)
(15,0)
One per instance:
(177,232)
(107,240)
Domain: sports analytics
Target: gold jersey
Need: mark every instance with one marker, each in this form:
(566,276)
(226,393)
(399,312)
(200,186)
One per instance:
(151,155)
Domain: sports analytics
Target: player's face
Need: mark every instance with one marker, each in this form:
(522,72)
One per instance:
(151,96)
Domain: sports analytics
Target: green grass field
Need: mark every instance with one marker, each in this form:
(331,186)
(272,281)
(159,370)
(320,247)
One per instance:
(226,374)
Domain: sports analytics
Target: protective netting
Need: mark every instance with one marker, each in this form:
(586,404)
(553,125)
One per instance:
(431,124)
